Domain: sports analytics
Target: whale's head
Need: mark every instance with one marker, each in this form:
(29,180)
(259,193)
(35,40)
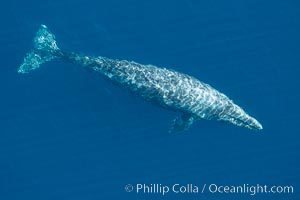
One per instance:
(237,116)
(247,122)
(254,124)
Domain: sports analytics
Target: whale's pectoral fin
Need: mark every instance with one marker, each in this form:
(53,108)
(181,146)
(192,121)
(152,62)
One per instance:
(182,123)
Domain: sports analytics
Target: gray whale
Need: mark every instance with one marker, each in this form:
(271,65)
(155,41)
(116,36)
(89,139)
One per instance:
(168,88)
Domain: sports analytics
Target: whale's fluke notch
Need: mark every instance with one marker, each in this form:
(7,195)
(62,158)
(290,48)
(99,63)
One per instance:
(44,50)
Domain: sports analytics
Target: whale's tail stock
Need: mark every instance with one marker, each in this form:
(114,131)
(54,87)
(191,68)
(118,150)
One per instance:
(44,50)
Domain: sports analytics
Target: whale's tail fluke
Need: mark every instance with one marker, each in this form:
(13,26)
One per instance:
(45,49)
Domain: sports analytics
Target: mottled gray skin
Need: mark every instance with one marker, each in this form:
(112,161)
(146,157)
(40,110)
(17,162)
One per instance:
(167,88)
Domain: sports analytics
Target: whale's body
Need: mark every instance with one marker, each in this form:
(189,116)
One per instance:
(168,88)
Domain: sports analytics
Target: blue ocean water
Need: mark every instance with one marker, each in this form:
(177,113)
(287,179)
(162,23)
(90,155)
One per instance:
(66,133)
